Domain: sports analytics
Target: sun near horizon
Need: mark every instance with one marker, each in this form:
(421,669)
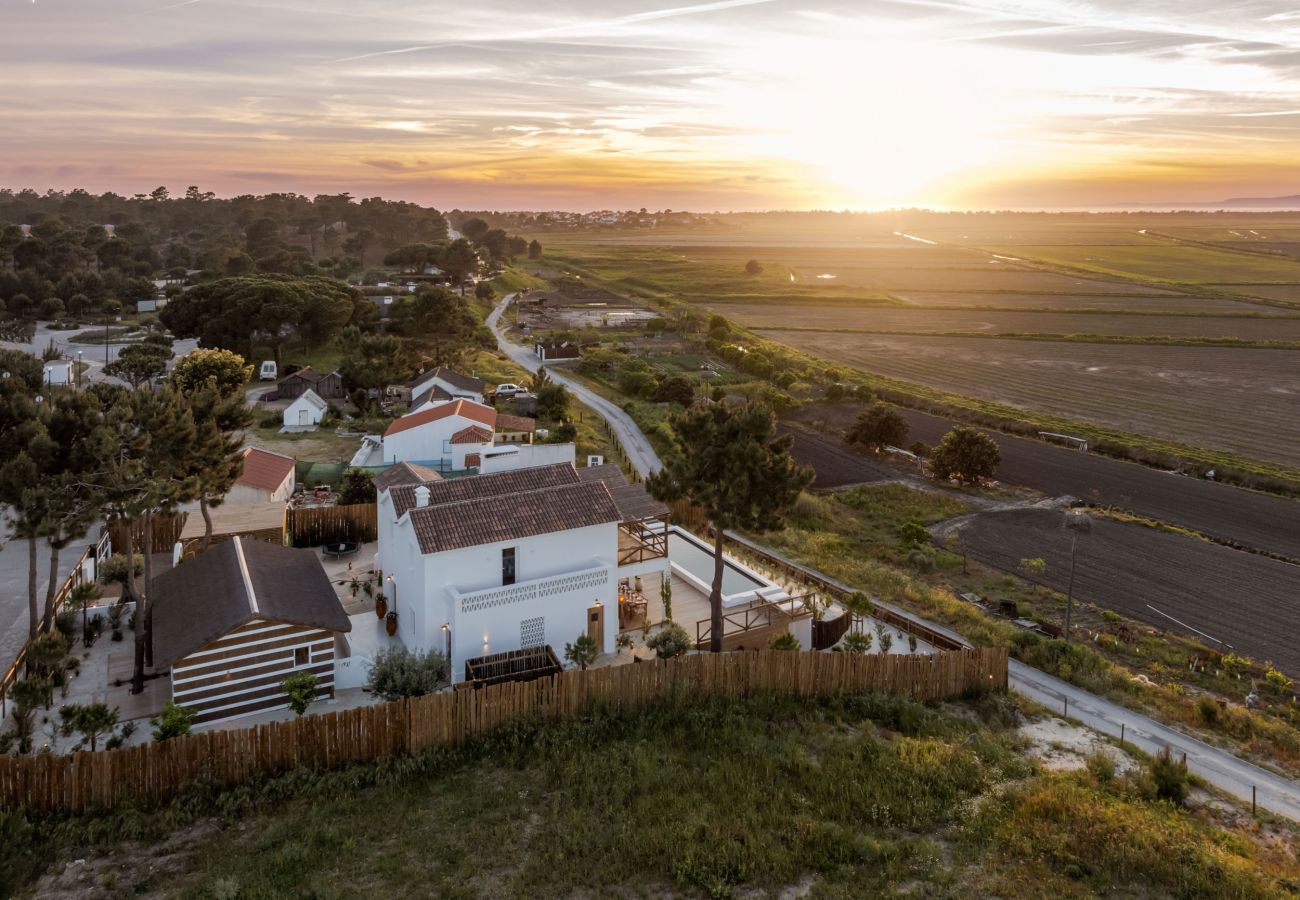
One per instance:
(731,104)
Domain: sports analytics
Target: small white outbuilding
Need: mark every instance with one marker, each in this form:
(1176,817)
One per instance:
(306,411)
(59,371)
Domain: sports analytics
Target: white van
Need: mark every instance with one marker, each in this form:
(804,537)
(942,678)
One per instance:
(269,370)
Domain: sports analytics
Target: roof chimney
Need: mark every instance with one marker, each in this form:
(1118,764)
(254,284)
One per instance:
(422,495)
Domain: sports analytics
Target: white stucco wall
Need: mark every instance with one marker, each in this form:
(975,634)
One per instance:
(245,495)
(558,577)
(524,456)
(428,442)
(293,417)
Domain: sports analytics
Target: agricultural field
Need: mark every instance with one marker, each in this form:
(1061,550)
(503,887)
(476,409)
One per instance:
(938,321)
(1119,303)
(1239,400)
(1243,599)
(1164,261)
(828,290)
(1250,519)
(834,465)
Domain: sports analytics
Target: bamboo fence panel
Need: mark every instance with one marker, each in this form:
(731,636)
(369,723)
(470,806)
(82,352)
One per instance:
(153,774)
(317,526)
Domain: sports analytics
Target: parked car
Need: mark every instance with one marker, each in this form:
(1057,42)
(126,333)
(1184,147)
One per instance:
(508,390)
(269,370)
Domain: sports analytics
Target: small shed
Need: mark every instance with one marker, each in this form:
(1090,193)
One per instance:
(306,411)
(234,622)
(327,386)
(557,352)
(267,478)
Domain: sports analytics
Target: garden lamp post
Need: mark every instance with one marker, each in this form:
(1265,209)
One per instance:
(392,586)
(1077,522)
(446,629)
(79,368)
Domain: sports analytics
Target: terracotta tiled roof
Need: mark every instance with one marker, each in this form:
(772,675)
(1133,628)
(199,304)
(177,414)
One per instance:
(472,487)
(633,501)
(404,473)
(515,423)
(484,415)
(265,470)
(472,435)
(508,517)
(204,598)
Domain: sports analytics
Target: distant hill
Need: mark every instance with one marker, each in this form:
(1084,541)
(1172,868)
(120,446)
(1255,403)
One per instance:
(1291,202)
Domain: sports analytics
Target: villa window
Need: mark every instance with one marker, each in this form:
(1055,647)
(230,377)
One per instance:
(508,566)
(300,656)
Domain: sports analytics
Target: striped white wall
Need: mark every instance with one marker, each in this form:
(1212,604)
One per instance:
(241,672)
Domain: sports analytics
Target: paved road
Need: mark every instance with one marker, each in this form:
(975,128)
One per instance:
(1220,768)
(1238,517)
(638,449)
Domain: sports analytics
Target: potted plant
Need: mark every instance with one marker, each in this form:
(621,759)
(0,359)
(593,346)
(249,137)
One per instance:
(354,586)
(381,605)
(622,641)
(390,623)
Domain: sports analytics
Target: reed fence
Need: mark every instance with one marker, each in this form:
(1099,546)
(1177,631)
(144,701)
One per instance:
(318,526)
(152,774)
(167,528)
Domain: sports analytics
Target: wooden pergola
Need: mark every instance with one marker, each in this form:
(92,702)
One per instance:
(260,521)
(516,665)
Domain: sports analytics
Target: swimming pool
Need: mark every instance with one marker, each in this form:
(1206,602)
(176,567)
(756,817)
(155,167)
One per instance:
(695,559)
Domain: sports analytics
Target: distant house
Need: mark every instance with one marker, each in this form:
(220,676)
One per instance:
(557,352)
(232,623)
(441,434)
(450,382)
(267,478)
(306,411)
(59,371)
(515,429)
(327,387)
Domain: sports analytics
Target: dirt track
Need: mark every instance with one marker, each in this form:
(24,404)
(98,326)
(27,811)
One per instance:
(1247,600)
(1259,521)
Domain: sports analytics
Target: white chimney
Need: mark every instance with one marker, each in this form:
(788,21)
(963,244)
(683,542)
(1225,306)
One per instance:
(422,495)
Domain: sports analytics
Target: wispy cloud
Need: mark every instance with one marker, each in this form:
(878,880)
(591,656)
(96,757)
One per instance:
(725,103)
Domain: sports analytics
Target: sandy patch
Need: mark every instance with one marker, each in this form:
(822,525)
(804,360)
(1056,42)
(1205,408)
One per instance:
(1062,747)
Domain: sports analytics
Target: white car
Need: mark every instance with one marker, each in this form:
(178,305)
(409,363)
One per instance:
(508,390)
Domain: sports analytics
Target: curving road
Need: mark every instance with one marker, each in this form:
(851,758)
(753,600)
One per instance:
(1218,767)
(638,449)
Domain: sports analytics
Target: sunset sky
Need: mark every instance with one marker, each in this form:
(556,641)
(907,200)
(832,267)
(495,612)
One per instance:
(734,104)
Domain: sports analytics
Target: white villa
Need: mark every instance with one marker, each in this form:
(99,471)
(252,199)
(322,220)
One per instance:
(460,435)
(521,559)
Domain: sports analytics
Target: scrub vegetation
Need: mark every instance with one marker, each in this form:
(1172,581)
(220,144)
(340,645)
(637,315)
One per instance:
(838,797)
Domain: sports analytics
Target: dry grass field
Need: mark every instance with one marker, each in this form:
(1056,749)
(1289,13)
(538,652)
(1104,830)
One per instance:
(1241,400)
